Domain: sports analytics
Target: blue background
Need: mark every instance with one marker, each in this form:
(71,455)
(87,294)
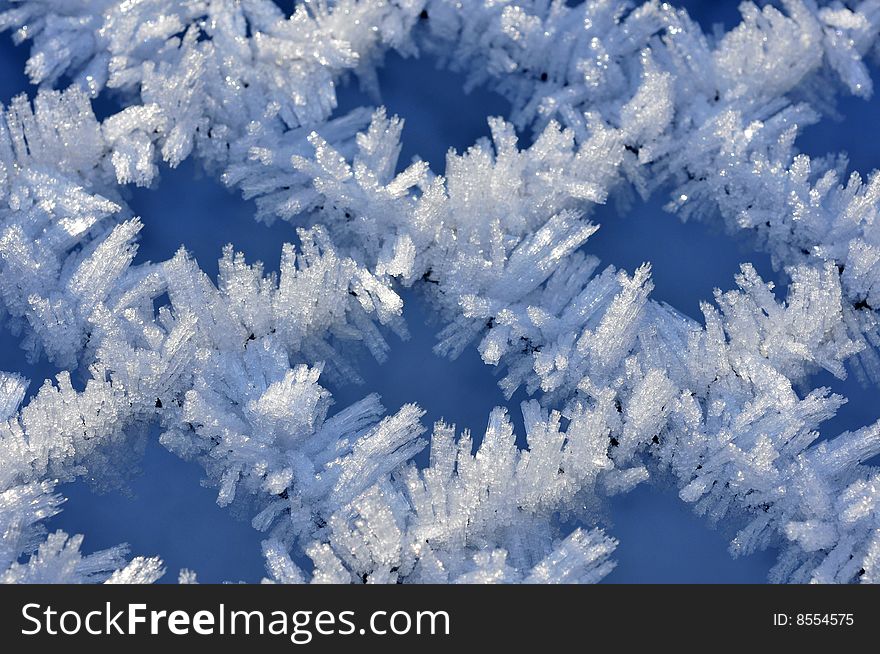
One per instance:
(168,513)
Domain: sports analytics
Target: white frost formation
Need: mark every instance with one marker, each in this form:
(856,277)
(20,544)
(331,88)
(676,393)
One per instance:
(621,99)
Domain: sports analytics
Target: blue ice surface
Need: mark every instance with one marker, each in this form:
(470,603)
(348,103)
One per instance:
(168,512)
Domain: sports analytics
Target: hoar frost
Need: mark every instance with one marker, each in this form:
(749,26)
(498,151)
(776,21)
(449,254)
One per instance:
(621,98)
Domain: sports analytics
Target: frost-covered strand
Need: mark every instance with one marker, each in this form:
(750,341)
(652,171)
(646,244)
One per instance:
(715,406)
(485,237)
(571,331)
(497,245)
(722,132)
(63,433)
(59,561)
(144,364)
(584,53)
(259,426)
(216,64)
(38,443)
(61,271)
(197,74)
(490,517)
(546,56)
(817,325)
(53,229)
(321,307)
(60,254)
(616,351)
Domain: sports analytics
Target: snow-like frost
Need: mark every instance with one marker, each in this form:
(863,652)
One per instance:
(621,99)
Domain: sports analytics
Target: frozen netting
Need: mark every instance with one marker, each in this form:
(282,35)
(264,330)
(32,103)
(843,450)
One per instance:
(622,99)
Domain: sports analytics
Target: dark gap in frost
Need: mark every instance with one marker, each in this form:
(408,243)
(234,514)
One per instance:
(286,6)
(107,103)
(860,410)
(13,80)
(350,96)
(688,260)
(169,514)
(195,210)
(706,13)
(462,392)
(849,132)
(437,113)
(14,359)
(159,302)
(709,13)
(683,549)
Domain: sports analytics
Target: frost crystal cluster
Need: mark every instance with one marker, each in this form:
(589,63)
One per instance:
(622,98)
